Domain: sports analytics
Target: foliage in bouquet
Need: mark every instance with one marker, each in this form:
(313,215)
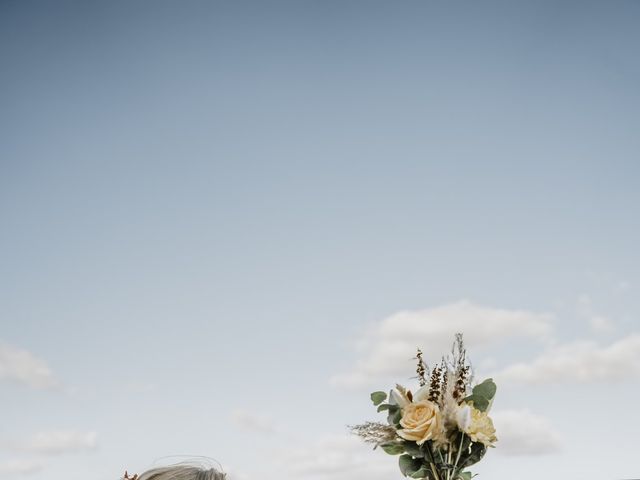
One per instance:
(443,427)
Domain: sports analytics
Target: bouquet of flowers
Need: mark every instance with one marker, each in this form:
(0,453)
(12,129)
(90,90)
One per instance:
(443,427)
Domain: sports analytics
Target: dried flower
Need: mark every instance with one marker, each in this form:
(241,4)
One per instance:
(445,380)
(374,432)
(461,368)
(421,369)
(435,384)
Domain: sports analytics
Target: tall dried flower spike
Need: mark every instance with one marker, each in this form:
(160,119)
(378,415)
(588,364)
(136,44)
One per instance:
(445,375)
(421,370)
(435,384)
(461,368)
(461,352)
(461,383)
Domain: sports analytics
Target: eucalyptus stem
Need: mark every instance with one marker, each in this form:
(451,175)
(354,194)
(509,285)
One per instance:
(455,465)
(440,454)
(432,462)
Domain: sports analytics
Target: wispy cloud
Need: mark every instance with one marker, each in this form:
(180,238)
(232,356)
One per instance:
(521,432)
(23,367)
(13,468)
(56,442)
(386,348)
(252,421)
(598,323)
(580,361)
(336,457)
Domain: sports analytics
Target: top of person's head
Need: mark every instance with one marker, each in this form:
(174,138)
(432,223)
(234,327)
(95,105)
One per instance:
(182,471)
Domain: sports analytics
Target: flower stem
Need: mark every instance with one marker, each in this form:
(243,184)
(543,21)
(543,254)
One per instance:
(432,462)
(455,465)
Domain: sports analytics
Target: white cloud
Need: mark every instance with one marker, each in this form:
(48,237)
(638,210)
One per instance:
(22,366)
(598,323)
(252,421)
(521,432)
(581,361)
(13,468)
(56,442)
(336,457)
(386,349)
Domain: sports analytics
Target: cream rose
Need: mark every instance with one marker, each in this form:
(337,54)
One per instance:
(481,428)
(420,422)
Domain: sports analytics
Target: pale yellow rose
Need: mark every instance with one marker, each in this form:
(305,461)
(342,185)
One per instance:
(420,421)
(481,429)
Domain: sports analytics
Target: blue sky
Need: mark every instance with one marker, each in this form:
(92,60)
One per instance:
(212,213)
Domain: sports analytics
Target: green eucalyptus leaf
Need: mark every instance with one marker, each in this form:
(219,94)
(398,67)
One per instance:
(395,414)
(472,454)
(464,476)
(393,448)
(486,389)
(408,465)
(422,473)
(480,402)
(413,449)
(378,397)
(384,406)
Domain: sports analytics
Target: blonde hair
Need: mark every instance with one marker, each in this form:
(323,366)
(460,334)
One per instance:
(182,471)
